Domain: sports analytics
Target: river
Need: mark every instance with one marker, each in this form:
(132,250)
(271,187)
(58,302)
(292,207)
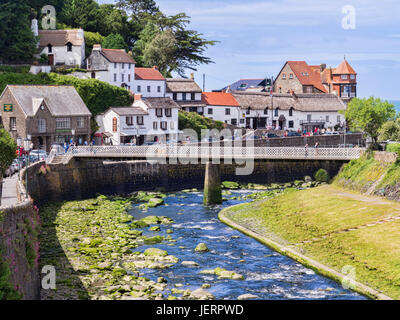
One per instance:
(268,274)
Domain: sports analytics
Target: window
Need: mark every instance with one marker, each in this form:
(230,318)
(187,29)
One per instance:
(115,66)
(168,112)
(309,117)
(63,123)
(291,112)
(122,77)
(344,76)
(164,125)
(148,89)
(327,118)
(159,112)
(248,110)
(80,122)
(129,121)
(291,76)
(158,88)
(139,88)
(129,65)
(338,119)
(210,111)
(227,111)
(234,121)
(283,76)
(193,96)
(69,47)
(241,121)
(175,96)
(115,124)
(49,48)
(291,124)
(155,125)
(129,78)
(42,125)
(266,111)
(352,76)
(276,112)
(93,75)
(140,120)
(184,96)
(123,66)
(115,77)
(172,125)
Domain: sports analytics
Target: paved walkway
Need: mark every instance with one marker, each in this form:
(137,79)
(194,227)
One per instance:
(9,196)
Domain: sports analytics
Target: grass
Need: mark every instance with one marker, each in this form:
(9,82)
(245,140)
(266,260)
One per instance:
(327,211)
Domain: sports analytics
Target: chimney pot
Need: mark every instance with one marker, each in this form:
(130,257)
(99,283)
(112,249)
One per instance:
(192,76)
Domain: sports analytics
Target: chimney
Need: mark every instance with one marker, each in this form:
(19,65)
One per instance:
(138,97)
(97,47)
(35,27)
(80,34)
(155,67)
(322,67)
(192,76)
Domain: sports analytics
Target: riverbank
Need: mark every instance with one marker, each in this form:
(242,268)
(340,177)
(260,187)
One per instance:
(332,230)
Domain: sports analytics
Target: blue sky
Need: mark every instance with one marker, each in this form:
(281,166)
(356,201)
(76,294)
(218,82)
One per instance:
(258,36)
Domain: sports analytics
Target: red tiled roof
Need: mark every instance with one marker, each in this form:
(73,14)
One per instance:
(344,68)
(117,56)
(148,74)
(219,99)
(308,76)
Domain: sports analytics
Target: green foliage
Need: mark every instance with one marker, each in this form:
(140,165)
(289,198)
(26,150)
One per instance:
(393,147)
(17,42)
(97,95)
(322,176)
(192,120)
(7,291)
(81,14)
(114,41)
(12,69)
(92,38)
(44,58)
(369,115)
(8,148)
(390,131)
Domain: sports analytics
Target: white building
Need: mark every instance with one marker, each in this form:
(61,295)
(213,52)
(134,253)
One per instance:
(149,82)
(294,112)
(147,120)
(63,47)
(113,66)
(186,93)
(222,106)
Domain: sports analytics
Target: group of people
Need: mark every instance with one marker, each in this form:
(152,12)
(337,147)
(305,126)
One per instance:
(73,143)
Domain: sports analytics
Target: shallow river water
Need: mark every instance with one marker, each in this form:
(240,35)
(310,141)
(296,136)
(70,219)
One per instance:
(268,274)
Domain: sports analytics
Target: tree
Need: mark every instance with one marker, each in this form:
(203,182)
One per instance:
(390,131)
(92,38)
(146,36)
(138,8)
(8,149)
(81,14)
(114,20)
(17,42)
(369,115)
(161,52)
(114,41)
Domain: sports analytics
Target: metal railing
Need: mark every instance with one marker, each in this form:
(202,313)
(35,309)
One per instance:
(214,152)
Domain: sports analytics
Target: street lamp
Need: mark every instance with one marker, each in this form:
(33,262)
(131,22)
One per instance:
(27,147)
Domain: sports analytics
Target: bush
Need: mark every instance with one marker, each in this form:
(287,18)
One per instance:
(322,176)
(192,120)
(395,147)
(14,69)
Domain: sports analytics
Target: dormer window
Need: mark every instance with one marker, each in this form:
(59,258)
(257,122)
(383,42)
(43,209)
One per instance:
(266,111)
(69,47)
(352,76)
(49,48)
(344,76)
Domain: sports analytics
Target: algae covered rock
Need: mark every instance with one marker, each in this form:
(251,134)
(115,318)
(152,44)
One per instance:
(150,220)
(153,240)
(226,274)
(201,247)
(155,202)
(201,294)
(155,252)
(155,229)
(230,185)
(190,264)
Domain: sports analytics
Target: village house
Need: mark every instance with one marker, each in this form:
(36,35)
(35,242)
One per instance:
(113,66)
(186,93)
(222,106)
(63,47)
(300,77)
(149,82)
(293,112)
(252,85)
(147,120)
(49,114)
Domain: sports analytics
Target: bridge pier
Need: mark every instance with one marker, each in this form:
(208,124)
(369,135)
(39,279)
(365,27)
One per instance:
(212,184)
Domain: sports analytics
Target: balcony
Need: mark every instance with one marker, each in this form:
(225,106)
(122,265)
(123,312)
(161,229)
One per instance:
(348,94)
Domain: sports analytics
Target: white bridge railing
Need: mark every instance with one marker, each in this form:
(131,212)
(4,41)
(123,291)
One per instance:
(214,152)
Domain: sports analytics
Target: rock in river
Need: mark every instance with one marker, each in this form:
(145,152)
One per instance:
(201,247)
(201,294)
(155,252)
(248,296)
(190,264)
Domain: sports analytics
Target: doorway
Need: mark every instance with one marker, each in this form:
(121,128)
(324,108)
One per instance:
(51,59)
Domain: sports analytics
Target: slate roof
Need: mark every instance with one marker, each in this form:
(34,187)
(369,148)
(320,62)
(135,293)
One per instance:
(219,99)
(244,84)
(148,74)
(61,100)
(60,38)
(128,111)
(306,102)
(154,103)
(176,85)
(117,56)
